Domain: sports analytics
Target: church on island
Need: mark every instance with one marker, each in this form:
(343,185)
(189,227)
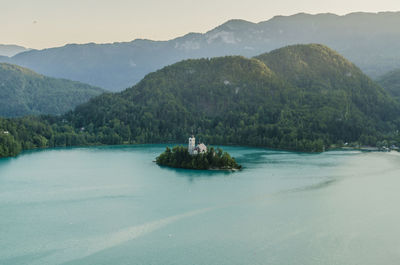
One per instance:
(193,149)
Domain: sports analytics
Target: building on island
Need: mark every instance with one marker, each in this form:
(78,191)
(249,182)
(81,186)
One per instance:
(201,148)
(192,145)
(193,149)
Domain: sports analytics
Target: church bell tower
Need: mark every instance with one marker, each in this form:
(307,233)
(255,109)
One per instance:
(192,144)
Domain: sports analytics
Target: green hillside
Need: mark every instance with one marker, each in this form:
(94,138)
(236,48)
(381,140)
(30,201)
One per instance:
(391,82)
(24,92)
(344,102)
(303,97)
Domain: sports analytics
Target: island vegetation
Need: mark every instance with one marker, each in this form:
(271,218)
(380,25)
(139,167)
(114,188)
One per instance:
(179,157)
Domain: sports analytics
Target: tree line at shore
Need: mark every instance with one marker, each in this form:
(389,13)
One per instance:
(302,97)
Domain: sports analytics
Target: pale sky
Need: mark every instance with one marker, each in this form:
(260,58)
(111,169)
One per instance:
(50,23)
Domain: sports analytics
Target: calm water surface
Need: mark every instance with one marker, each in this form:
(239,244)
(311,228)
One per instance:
(113,205)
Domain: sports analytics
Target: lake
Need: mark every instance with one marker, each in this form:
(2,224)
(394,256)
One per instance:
(113,205)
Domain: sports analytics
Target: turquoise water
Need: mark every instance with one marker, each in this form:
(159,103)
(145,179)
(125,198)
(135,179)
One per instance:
(113,205)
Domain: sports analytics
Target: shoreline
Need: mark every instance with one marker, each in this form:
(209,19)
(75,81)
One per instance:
(38,149)
(210,169)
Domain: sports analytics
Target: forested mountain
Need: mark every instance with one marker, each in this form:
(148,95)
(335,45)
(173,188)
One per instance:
(24,92)
(391,82)
(299,97)
(370,40)
(11,50)
(302,97)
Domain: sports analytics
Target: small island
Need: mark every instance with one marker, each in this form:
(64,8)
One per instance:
(197,157)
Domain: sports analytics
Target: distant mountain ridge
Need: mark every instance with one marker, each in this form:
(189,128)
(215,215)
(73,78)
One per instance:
(8,50)
(24,92)
(370,40)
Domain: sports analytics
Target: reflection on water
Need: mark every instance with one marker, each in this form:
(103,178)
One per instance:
(113,205)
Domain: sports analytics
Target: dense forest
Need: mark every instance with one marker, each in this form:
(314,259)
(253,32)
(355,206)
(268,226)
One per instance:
(391,82)
(23,92)
(302,97)
(179,157)
(39,132)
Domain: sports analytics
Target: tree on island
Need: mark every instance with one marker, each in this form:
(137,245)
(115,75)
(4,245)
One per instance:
(179,157)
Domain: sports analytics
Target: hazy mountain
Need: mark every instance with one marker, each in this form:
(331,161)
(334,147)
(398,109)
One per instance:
(24,92)
(11,50)
(369,40)
(4,58)
(391,82)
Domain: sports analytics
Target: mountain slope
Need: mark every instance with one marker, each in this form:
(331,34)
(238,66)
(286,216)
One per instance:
(391,82)
(299,97)
(318,69)
(23,92)
(4,58)
(370,40)
(11,50)
(302,98)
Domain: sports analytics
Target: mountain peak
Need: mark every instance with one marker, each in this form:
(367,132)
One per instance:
(313,60)
(234,25)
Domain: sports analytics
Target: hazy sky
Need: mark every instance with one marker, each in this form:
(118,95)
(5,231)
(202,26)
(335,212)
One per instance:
(49,23)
